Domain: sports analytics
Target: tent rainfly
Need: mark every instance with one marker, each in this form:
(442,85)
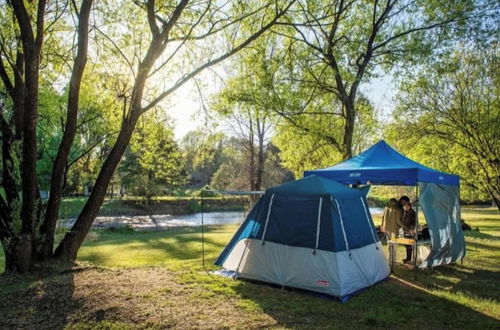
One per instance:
(313,234)
(438,194)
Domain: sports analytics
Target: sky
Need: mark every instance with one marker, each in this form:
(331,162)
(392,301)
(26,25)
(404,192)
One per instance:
(186,108)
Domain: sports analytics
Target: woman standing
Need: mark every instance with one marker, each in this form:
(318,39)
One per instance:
(408,224)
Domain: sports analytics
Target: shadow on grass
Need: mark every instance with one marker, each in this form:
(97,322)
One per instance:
(481,246)
(458,279)
(44,300)
(481,235)
(392,304)
(154,248)
(486,210)
(113,237)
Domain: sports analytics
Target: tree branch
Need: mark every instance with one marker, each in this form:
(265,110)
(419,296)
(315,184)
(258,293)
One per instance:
(215,61)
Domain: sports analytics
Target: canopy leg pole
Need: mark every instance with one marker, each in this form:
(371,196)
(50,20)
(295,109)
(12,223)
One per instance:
(415,253)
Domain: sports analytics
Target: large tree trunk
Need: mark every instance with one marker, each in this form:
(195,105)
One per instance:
(69,246)
(19,254)
(495,197)
(59,168)
(20,94)
(21,246)
(350,116)
(496,201)
(29,152)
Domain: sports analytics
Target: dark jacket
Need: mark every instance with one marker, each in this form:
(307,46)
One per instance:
(408,221)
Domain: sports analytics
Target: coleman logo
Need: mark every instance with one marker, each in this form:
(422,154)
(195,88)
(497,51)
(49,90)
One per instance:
(322,283)
(354,175)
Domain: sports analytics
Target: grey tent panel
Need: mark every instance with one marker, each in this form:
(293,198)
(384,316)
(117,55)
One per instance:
(441,206)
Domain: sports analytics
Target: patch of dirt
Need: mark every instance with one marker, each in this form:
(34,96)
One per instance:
(147,297)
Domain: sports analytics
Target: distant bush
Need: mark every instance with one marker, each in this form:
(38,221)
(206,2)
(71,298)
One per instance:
(193,206)
(179,192)
(206,191)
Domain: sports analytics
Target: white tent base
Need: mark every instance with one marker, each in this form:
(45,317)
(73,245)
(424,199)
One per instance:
(333,273)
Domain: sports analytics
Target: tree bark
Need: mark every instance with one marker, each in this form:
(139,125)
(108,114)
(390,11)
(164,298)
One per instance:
(495,197)
(59,168)
(20,94)
(348,129)
(31,45)
(19,254)
(68,248)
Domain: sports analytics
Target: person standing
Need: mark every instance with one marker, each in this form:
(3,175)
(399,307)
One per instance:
(408,222)
(403,200)
(392,215)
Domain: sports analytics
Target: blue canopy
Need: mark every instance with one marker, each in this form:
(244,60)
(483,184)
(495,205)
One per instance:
(383,165)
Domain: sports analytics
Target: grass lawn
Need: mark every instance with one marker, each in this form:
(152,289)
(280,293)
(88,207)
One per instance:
(129,279)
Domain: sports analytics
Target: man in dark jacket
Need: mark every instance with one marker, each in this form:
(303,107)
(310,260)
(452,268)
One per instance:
(408,222)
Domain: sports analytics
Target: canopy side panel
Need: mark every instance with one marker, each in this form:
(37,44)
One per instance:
(441,206)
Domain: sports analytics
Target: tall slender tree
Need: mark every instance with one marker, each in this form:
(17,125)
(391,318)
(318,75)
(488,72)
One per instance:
(337,45)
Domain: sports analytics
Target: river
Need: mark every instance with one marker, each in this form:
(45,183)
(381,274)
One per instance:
(165,221)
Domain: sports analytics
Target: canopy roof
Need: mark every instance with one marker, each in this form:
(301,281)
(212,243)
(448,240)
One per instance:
(382,164)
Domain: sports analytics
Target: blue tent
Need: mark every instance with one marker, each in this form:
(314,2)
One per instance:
(438,195)
(313,234)
(382,165)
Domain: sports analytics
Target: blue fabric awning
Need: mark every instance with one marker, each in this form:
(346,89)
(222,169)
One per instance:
(383,165)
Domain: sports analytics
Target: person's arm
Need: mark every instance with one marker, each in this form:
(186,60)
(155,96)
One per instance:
(400,220)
